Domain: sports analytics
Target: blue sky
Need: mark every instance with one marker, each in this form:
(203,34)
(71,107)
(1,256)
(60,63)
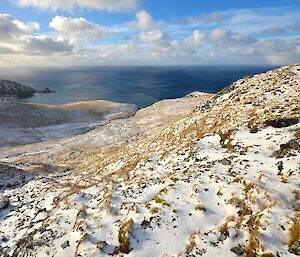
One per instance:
(92,32)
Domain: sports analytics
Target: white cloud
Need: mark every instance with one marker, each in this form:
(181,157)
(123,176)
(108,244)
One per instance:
(10,28)
(77,28)
(227,38)
(17,38)
(195,39)
(153,36)
(276,46)
(144,20)
(233,36)
(218,35)
(106,5)
(44,45)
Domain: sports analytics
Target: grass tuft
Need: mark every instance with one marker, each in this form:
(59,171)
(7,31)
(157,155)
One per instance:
(200,207)
(294,234)
(124,233)
(226,139)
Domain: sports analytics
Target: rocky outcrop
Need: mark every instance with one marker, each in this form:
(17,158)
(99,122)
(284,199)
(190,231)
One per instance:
(47,90)
(11,88)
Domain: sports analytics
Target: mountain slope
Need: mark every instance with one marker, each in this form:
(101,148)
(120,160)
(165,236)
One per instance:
(25,123)
(222,181)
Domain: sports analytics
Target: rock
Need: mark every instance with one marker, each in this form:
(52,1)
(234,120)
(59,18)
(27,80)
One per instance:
(286,148)
(224,236)
(11,88)
(65,244)
(254,130)
(225,161)
(46,91)
(295,145)
(282,122)
(238,250)
(280,166)
(295,248)
(4,202)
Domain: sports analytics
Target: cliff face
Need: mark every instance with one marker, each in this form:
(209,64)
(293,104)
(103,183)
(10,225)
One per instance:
(221,180)
(11,88)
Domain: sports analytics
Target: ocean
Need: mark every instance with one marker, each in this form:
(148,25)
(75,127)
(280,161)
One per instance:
(138,85)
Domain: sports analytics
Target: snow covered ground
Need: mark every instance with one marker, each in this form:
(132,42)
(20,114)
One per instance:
(222,180)
(24,123)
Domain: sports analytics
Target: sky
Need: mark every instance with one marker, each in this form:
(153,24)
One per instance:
(149,32)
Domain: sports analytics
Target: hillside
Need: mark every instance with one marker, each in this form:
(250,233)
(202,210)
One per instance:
(221,179)
(29,123)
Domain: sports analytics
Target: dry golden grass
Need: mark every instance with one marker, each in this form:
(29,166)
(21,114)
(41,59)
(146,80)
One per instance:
(226,139)
(200,207)
(297,134)
(253,120)
(155,210)
(124,233)
(296,193)
(294,233)
(85,236)
(238,179)
(159,200)
(244,211)
(248,187)
(254,244)
(81,213)
(192,242)
(224,228)
(235,201)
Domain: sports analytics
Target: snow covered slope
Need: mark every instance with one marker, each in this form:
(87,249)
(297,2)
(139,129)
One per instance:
(24,123)
(223,180)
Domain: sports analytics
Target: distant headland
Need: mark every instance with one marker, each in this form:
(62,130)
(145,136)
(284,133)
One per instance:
(12,88)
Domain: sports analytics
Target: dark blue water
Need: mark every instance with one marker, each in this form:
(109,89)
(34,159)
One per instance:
(139,85)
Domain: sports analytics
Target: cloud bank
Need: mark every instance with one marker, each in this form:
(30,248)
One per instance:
(260,36)
(106,5)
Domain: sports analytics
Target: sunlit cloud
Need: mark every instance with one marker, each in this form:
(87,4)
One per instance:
(77,28)
(217,38)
